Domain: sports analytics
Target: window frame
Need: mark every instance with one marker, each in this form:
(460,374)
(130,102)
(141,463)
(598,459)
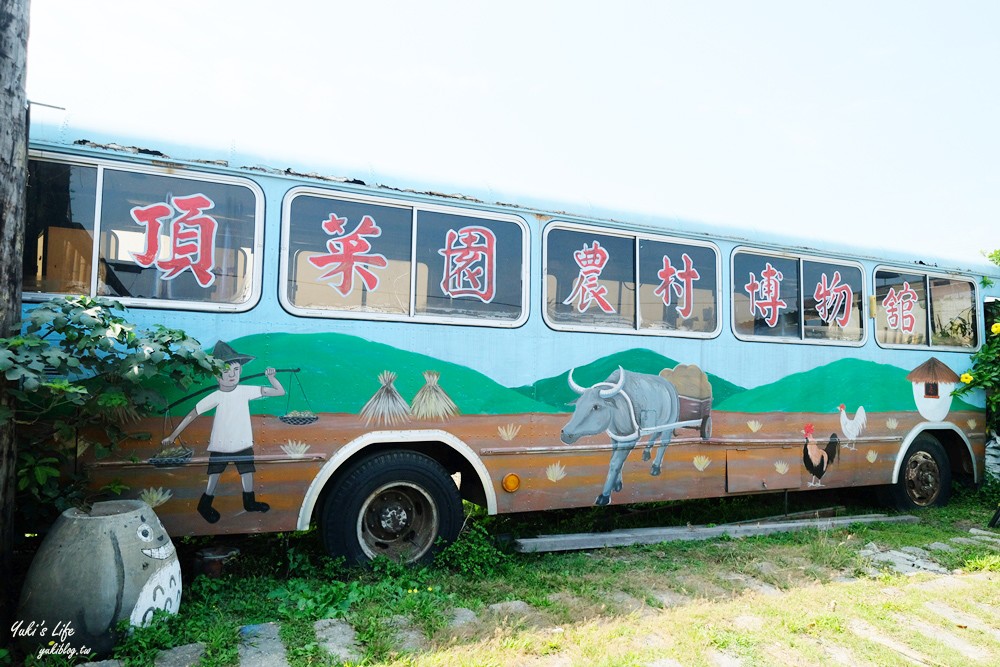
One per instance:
(800,259)
(255,276)
(929,345)
(637,236)
(285,261)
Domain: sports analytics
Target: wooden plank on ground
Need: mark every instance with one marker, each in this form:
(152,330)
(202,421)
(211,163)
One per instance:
(625,537)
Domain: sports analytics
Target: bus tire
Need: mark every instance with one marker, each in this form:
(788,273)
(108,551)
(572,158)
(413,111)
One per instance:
(398,504)
(924,478)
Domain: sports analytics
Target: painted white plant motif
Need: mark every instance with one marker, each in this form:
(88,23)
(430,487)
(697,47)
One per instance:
(892,423)
(155,497)
(701,462)
(509,432)
(781,467)
(872,456)
(555,472)
(754,425)
(295,449)
(972,424)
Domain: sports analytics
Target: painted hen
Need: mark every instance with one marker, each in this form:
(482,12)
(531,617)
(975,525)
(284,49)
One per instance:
(818,459)
(852,428)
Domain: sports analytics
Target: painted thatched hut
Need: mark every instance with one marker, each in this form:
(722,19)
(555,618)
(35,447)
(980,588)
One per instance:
(933,383)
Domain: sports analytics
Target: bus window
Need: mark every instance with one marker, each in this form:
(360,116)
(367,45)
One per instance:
(953,313)
(59,228)
(901,318)
(832,306)
(349,256)
(678,289)
(177,239)
(590,279)
(472,267)
(765,295)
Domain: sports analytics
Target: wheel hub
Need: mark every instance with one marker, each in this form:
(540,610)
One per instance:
(923,478)
(394,518)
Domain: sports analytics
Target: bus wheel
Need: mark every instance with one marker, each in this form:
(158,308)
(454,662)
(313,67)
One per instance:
(396,504)
(924,477)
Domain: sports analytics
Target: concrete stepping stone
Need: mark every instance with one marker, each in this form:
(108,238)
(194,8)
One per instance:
(260,646)
(408,637)
(941,546)
(339,639)
(510,608)
(963,620)
(460,616)
(985,536)
(968,541)
(900,561)
(949,639)
(868,631)
(188,655)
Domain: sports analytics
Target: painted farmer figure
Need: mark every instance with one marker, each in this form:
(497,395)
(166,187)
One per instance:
(231,440)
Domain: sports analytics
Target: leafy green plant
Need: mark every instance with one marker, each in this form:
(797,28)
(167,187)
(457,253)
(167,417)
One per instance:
(985,371)
(473,554)
(77,375)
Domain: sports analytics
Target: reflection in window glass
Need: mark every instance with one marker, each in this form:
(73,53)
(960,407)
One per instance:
(832,301)
(175,238)
(59,228)
(349,255)
(953,313)
(901,318)
(677,287)
(765,295)
(468,267)
(590,279)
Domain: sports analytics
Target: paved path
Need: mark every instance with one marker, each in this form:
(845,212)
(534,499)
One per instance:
(261,646)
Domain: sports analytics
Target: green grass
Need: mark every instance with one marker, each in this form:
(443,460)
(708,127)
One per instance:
(601,607)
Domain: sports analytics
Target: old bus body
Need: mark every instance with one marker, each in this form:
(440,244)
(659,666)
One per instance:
(430,349)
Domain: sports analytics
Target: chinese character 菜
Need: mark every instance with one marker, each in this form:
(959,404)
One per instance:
(191,234)
(586,288)
(469,263)
(765,294)
(678,283)
(348,255)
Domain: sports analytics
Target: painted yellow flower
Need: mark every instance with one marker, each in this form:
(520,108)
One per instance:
(966,377)
(995,328)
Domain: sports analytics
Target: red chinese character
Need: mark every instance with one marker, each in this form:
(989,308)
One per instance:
(469,263)
(680,283)
(348,255)
(765,294)
(899,308)
(192,237)
(586,288)
(834,298)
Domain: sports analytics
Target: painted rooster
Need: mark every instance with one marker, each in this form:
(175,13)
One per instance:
(852,428)
(818,459)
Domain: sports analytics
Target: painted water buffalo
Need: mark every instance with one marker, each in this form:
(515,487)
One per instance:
(627,406)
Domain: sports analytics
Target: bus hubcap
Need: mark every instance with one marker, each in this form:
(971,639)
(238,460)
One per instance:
(923,478)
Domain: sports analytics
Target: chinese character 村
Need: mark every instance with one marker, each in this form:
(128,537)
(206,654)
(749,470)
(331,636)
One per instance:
(680,283)
(469,263)
(347,255)
(192,237)
(586,288)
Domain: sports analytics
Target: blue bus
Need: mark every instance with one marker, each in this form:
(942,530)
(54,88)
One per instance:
(392,353)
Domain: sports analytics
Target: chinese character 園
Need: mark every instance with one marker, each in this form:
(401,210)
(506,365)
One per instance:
(469,263)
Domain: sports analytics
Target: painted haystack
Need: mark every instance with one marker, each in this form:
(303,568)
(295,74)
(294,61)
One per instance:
(431,402)
(386,407)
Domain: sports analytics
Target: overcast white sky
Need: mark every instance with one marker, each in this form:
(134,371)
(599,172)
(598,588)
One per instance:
(866,121)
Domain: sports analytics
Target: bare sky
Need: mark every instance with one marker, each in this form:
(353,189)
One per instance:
(869,122)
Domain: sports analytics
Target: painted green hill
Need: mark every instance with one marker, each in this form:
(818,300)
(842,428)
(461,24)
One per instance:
(853,382)
(555,390)
(339,374)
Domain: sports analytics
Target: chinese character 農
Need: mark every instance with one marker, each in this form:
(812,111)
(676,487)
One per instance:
(586,288)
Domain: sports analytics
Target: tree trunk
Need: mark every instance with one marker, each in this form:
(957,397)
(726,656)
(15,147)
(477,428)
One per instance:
(13,175)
